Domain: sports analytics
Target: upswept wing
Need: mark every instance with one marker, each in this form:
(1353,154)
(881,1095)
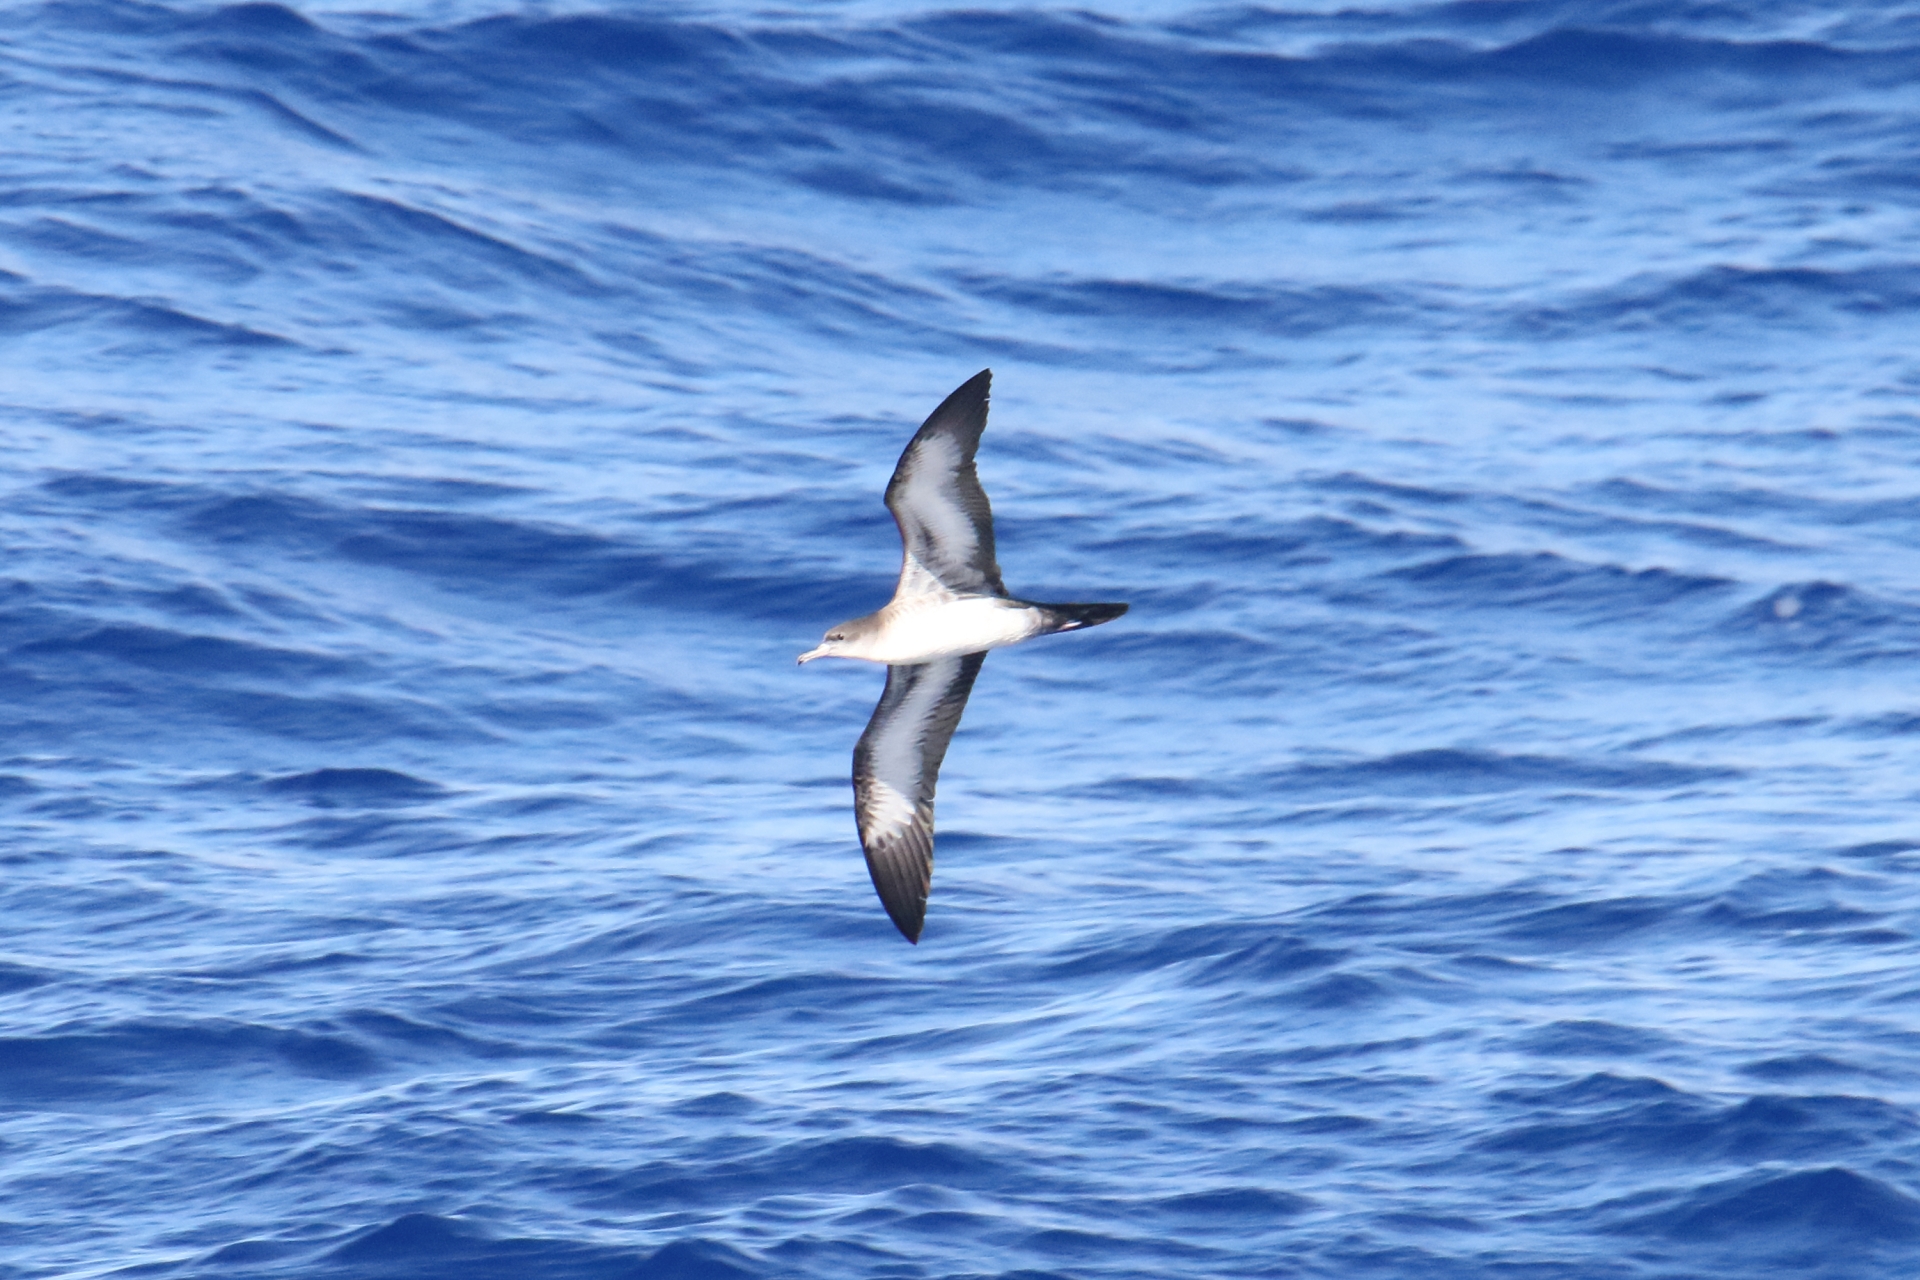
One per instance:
(895,768)
(946,525)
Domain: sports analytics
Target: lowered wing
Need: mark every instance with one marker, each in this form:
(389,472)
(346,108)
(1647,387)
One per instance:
(894,771)
(946,525)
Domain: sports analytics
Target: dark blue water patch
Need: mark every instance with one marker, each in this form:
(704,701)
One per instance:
(246,1252)
(917,1045)
(1094,1247)
(944,1222)
(1332,1124)
(1863,179)
(1382,78)
(1355,213)
(866,184)
(1242,1204)
(1338,992)
(633,84)
(444,250)
(553,1120)
(1602,1088)
(354,788)
(1293,313)
(1390,495)
(798,998)
(424,1236)
(504,1005)
(144,327)
(1794,921)
(541,715)
(21,977)
(1895,724)
(1549,582)
(76,711)
(1269,959)
(299,960)
(622,44)
(1829,1208)
(1800,1066)
(1723,503)
(438,1247)
(1245,555)
(1599,923)
(194,600)
(850,1166)
(372,833)
(1602,59)
(223,221)
(200,656)
(1786,728)
(1523,178)
(1892,853)
(836,300)
(722,1104)
(697,1259)
(484,554)
(490,287)
(1829,621)
(59,236)
(294,122)
(1677,1127)
(1587,522)
(140,1057)
(437,491)
(1452,771)
(1302,657)
(1424,1222)
(400,1034)
(1590,1038)
(464,552)
(1246,949)
(1721,297)
(843,1257)
(1434,918)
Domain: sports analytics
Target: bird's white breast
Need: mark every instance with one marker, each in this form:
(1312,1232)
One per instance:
(920,630)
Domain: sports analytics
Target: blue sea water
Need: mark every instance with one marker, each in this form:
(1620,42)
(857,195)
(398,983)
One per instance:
(1487,849)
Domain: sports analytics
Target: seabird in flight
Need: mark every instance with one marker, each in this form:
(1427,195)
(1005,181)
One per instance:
(949,609)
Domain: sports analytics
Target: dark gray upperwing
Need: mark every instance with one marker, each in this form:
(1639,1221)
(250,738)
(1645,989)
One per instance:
(946,525)
(895,768)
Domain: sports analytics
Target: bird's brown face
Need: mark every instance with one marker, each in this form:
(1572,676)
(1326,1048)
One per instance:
(829,646)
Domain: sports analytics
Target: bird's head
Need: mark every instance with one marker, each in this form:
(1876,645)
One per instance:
(841,642)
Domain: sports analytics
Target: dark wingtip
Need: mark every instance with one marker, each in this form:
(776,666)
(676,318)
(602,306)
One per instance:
(902,871)
(908,922)
(969,397)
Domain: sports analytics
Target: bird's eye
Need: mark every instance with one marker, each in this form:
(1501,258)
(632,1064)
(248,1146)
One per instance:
(836,635)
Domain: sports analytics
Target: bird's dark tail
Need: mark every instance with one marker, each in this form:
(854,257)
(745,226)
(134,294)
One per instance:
(1073,617)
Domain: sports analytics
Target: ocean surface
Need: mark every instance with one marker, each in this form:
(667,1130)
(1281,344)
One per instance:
(1488,849)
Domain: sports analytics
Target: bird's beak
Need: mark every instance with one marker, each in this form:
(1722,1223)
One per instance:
(811,654)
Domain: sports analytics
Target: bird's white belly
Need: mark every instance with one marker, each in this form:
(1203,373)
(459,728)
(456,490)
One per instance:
(923,631)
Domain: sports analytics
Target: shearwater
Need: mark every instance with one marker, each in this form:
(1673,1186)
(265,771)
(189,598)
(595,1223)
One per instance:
(949,609)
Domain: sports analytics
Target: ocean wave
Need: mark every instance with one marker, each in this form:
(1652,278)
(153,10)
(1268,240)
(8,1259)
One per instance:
(1723,296)
(1808,1211)
(137,326)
